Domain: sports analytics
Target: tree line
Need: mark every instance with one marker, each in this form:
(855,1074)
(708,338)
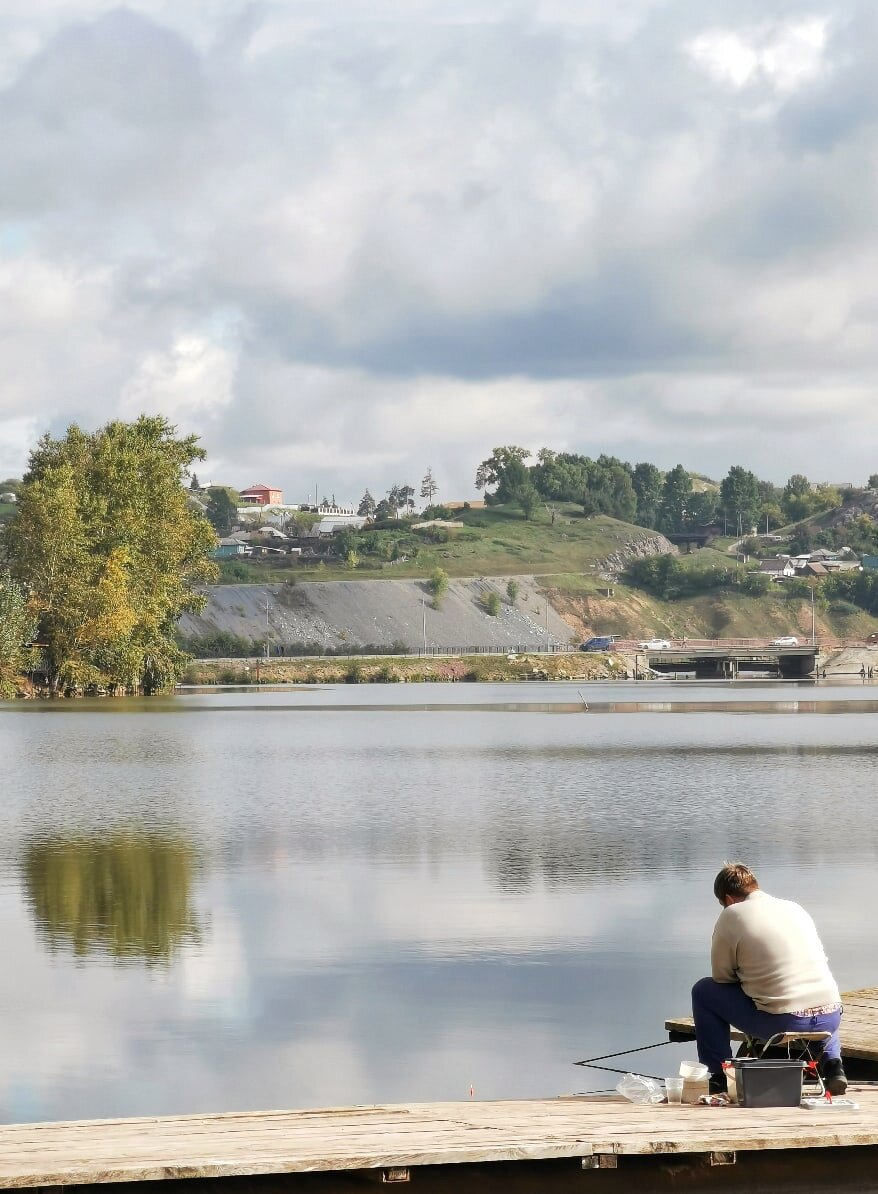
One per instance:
(399,499)
(672,502)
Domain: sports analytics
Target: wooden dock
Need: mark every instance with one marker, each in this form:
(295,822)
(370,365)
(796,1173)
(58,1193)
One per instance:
(525,1145)
(859,1026)
(394,1142)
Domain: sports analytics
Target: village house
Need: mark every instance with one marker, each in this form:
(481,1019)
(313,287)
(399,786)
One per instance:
(262,495)
(778,568)
(230,547)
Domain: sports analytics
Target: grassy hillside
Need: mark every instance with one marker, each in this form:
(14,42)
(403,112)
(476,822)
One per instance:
(493,542)
(565,554)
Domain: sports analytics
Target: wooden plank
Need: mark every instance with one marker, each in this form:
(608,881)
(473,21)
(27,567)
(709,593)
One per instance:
(859,1025)
(406,1136)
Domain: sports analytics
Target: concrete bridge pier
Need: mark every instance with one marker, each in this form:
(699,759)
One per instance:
(716,668)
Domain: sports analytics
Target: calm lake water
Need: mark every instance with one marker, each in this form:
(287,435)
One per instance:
(250,900)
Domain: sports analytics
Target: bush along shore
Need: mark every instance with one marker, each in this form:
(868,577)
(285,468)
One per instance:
(385,670)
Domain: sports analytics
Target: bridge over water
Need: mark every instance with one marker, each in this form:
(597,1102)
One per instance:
(714,661)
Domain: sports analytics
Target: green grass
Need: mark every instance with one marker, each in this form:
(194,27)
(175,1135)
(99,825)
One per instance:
(494,542)
(704,558)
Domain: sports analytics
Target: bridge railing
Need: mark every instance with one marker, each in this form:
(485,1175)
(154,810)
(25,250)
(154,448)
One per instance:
(705,644)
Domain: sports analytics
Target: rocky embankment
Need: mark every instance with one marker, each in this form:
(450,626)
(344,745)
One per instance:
(653,544)
(332,615)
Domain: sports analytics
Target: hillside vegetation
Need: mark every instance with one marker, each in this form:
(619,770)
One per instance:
(724,613)
(492,542)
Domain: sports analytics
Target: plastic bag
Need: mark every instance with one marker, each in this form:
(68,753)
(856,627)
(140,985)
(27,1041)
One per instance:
(638,1089)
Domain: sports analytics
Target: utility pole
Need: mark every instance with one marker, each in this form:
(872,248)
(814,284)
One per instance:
(813,624)
(547,624)
(424,612)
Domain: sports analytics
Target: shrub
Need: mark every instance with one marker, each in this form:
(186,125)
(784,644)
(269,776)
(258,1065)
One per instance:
(221,644)
(491,604)
(438,585)
(757,584)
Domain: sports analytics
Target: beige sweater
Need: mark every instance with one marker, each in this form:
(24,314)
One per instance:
(771,948)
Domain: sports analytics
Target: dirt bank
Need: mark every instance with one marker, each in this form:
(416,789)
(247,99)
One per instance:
(575,665)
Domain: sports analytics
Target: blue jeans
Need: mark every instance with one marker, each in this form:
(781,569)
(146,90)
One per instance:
(716,1006)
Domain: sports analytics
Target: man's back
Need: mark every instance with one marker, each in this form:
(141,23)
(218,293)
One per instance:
(772,948)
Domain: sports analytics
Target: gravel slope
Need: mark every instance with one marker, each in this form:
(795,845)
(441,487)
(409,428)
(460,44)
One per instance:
(358,613)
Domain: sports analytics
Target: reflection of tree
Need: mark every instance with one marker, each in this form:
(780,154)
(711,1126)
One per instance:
(127,895)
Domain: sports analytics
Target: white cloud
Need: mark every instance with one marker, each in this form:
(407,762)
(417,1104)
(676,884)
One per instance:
(191,380)
(783,56)
(385,238)
(17,437)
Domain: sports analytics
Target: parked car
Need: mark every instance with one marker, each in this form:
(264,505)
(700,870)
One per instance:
(600,642)
(785,640)
(655,644)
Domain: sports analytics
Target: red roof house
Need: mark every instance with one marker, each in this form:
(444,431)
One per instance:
(262,495)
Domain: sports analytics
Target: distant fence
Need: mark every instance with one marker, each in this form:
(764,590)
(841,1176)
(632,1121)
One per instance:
(358,653)
(509,649)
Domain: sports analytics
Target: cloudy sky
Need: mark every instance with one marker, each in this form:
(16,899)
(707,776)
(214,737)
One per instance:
(345,240)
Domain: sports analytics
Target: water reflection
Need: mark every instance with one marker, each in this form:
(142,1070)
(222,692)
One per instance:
(127,896)
(399,906)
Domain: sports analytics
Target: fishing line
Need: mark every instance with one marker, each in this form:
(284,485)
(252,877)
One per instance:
(591,1062)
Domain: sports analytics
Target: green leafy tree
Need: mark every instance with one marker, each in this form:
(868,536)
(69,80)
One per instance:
(770,517)
(676,500)
(702,508)
(646,480)
(438,585)
(559,476)
(222,512)
(801,499)
(796,500)
(493,471)
(739,498)
(872,482)
(512,591)
(366,508)
(344,542)
(609,489)
(111,553)
(826,497)
(517,487)
(17,629)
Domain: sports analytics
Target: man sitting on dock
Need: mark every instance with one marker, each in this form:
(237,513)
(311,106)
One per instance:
(769,974)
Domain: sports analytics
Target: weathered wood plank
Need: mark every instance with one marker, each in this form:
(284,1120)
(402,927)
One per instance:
(280,1142)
